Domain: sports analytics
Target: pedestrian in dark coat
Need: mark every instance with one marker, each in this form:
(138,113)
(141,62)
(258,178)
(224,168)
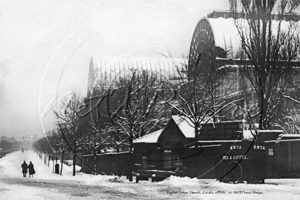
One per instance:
(31,169)
(24,169)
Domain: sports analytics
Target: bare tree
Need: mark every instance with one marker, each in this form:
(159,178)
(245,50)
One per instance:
(129,109)
(292,123)
(44,145)
(95,139)
(58,144)
(96,115)
(69,125)
(138,112)
(269,45)
(200,94)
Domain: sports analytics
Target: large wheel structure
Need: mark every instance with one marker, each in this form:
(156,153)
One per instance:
(213,38)
(202,43)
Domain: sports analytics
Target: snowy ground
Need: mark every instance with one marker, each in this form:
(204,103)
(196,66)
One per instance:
(47,185)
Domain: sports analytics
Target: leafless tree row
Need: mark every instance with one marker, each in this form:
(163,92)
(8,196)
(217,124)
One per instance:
(112,117)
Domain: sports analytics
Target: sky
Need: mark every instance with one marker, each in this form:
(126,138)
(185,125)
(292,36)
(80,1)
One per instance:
(46,47)
(170,188)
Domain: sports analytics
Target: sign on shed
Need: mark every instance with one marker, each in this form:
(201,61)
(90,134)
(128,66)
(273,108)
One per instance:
(230,130)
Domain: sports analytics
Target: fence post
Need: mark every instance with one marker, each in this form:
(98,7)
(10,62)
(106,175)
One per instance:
(144,163)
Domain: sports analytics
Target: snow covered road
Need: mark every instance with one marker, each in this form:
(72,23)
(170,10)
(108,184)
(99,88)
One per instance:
(47,185)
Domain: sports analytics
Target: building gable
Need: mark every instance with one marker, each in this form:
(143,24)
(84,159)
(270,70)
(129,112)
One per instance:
(171,136)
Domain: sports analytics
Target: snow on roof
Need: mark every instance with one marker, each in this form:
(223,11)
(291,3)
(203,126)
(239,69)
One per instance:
(185,125)
(226,36)
(219,141)
(106,71)
(226,122)
(248,134)
(286,138)
(272,131)
(289,135)
(150,138)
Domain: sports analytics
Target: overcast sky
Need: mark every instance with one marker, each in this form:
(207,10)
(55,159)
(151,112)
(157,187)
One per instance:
(46,47)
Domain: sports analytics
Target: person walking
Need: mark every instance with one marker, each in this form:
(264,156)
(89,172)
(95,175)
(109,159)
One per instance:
(31,169)
(24,168)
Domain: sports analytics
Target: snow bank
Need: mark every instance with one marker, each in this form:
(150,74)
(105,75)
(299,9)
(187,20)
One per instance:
(171,188)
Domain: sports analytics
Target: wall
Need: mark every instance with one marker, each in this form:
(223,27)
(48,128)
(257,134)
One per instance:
(283,159)
(114,163)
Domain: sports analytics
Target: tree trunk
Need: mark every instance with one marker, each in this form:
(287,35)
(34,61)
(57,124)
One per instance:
(261,112)
(197,125)
(95,161)
(131,139)
(62,160)
(74,157)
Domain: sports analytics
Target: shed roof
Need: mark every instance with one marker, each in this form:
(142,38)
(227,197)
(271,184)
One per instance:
(183,123)
(187,129)
(150,138)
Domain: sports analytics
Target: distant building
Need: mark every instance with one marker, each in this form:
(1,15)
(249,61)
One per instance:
(218,31)
(106,72)
(217,42)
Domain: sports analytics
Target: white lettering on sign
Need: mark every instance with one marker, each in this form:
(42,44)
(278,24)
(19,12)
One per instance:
(236,157)
(260,147)
(235,147)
